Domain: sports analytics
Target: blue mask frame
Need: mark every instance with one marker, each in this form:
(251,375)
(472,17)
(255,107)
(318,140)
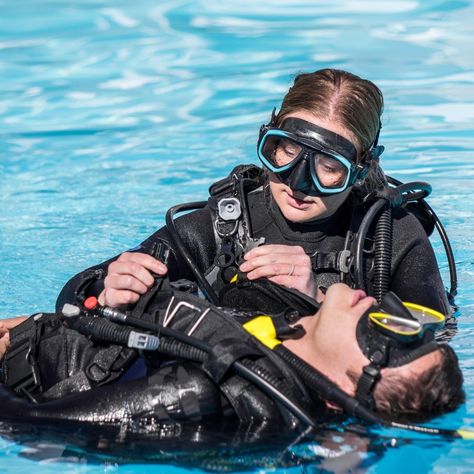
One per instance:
(312,139)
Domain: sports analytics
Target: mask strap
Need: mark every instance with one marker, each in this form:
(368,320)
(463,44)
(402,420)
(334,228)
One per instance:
(267,126)
(371,375)
(366,385)
(273,117)
(373,152)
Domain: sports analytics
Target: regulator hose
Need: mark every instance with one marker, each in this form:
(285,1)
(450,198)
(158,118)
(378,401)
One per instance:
(444,238)
(324,387)
(169,346)
(201,281)
(329,391)
(186,346)
(102,330)
(383,254)
(360,241)
(387,197)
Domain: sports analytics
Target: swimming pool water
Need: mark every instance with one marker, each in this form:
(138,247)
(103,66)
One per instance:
(112,111)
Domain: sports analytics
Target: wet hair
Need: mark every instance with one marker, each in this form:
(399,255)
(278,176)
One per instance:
(342,97)
(437,390)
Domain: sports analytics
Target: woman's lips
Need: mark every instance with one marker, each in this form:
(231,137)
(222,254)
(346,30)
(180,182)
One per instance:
(296,202)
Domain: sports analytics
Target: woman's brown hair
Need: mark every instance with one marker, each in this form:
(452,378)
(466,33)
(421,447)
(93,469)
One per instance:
(347,99)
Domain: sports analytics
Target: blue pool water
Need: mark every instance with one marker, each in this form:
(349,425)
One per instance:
(111,111)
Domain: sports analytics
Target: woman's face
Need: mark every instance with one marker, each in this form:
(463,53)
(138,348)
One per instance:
(298,207)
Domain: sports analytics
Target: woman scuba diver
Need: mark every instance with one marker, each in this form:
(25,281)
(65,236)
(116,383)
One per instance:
(296,221)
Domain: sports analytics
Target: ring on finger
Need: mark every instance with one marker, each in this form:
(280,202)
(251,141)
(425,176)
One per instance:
(292,269)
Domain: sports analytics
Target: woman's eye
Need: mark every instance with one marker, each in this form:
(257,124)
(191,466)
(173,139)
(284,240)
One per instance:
(289,149)
(330,166)
(331,169)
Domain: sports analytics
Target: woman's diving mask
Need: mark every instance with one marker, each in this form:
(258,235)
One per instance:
(391,335)
(309,158)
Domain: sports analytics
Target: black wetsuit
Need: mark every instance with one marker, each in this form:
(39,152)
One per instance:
(414,272)
(173,388)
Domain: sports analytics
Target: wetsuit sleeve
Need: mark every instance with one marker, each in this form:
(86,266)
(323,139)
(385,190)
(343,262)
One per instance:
(176,392)
(196,232)
(415,273)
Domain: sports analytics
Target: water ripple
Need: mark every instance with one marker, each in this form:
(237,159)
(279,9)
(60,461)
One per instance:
(110,112)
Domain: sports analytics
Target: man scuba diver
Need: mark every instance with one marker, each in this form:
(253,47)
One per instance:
(202,363)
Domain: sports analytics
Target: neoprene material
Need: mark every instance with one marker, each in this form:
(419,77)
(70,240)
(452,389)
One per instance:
(174,390)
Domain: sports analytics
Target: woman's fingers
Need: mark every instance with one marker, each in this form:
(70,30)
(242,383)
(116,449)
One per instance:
(4,339)
(125,275)
(276,260)
(129,277)
(274,249)
(144,260)
(128,282)
(285,265)
(117,298)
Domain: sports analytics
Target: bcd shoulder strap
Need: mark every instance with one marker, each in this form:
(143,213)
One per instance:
(231,222)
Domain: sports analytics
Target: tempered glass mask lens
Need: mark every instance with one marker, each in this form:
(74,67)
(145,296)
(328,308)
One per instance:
(428,317)
(280,151)
(331,173)
(395,326)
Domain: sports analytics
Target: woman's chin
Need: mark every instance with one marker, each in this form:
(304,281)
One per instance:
(302,214)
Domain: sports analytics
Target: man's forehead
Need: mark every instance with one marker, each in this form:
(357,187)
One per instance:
(418,366)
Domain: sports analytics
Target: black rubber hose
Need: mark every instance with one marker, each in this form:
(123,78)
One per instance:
(203,284)
(245,369)
(360,240)
(100,329)
(171,347)
(383,254)
(198,352)
(444,238)
(453,290)
(324,387)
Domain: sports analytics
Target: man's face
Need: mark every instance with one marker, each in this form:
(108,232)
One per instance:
(336,352)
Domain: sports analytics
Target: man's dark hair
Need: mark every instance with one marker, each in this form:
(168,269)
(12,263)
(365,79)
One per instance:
(437,390)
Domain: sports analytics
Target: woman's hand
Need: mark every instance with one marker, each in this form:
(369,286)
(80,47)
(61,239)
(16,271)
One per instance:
(287,265)
(4,339)
(5,326)
(129,277)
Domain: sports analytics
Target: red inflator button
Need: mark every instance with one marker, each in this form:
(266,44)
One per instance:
(91,302)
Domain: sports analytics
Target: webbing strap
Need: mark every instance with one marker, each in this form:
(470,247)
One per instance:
(337,261)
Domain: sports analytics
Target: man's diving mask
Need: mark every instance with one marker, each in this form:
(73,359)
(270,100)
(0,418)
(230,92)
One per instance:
(309,158)
(391,335)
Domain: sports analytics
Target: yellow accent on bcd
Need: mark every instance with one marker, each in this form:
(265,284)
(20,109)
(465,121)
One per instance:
(263,329)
